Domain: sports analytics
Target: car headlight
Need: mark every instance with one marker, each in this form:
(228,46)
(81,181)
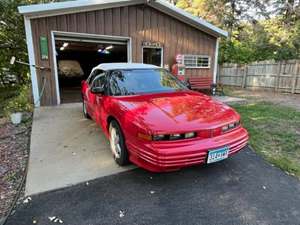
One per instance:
(225,128)
(174,136)
(177,136)
(230,126)
(158,137)
(190,135)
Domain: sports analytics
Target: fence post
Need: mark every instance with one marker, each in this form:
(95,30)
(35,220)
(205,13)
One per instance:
(278,76)
(244,82)
(295,75)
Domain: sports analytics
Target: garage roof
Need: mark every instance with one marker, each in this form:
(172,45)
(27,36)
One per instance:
(68,7)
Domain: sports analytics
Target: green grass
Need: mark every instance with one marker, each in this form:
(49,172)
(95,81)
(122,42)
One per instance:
(6,94)
(274,133)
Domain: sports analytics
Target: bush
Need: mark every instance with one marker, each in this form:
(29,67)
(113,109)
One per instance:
(19,103)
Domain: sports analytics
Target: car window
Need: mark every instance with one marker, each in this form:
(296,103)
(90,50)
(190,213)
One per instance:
(99,80)
(137,81)
(93,75)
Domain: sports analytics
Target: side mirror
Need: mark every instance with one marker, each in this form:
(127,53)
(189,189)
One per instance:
(97,90)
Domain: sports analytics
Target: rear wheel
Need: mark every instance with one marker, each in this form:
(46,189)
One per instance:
(117,143)
(84,110)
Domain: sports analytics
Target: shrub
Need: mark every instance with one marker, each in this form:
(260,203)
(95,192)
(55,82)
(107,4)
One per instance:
(19,103)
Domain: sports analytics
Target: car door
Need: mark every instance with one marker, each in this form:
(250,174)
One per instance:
(96,99)
(89,97)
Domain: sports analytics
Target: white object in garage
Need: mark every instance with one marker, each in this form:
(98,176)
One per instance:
(70,68)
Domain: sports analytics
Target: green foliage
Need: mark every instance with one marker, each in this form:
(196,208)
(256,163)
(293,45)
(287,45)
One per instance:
(6,94)
(19,103)
(267,39)
(262,35)
(12,39)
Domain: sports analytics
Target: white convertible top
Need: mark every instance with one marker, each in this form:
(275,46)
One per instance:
(122,66)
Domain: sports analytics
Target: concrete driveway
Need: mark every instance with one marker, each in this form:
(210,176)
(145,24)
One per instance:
(66,149)
(241,190)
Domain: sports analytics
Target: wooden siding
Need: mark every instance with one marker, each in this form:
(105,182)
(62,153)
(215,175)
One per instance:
(140,22)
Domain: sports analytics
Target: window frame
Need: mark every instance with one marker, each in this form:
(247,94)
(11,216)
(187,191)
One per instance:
(105,85)
(197,56)
(94,73)
(98,77)
(161,57)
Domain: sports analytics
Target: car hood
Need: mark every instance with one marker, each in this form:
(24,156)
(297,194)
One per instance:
(177,111)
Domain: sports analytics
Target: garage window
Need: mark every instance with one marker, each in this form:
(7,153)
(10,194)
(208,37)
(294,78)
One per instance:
(196,61)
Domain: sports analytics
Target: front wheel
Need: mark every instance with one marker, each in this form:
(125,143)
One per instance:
(117,144)
(85,113)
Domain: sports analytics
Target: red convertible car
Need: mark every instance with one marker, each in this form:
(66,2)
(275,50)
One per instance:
(153,120)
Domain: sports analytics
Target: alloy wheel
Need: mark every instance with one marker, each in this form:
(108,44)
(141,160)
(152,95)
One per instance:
(115,142)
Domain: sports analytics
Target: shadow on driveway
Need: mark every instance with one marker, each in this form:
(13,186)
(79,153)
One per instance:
(241,190)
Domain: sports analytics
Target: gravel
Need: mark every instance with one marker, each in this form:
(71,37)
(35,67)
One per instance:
(14,152)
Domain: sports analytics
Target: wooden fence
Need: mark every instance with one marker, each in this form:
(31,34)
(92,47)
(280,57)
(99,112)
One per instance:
(280,76)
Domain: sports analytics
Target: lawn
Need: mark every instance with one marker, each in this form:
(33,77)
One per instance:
(274,133)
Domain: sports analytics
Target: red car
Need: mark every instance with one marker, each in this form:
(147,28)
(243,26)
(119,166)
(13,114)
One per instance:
(154,121)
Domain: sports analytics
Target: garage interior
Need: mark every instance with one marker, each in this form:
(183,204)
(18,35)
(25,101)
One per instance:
(75,59)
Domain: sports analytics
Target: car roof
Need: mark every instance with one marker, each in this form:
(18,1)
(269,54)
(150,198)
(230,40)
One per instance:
(122,66)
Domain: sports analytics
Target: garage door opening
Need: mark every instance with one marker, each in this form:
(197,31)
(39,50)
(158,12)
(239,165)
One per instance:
(75,59)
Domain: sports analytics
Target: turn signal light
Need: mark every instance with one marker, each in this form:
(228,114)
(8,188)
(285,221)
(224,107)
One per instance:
(144,136)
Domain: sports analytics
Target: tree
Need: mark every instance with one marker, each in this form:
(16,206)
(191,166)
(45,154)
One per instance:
(12,39)
(258,29)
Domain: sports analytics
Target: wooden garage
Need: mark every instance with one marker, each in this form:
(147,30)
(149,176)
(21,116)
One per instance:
(69,38)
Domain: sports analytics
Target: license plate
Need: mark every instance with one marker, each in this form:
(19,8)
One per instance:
(217,155)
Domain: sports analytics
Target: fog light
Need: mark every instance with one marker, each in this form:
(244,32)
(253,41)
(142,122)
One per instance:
(189,135)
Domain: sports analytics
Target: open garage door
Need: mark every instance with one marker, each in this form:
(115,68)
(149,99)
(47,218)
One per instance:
(77,54)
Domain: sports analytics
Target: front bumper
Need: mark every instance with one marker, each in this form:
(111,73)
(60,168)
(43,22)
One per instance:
(173,155)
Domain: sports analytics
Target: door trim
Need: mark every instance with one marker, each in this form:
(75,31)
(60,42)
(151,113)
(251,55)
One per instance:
(162,54)
(84,37)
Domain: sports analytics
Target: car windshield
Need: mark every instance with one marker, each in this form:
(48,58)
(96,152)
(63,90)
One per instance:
(138,81)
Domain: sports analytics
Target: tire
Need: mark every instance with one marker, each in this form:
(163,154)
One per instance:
(117,144)
(84,111)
